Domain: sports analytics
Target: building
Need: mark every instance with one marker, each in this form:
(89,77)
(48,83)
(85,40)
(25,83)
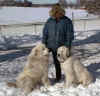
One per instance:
(24,3)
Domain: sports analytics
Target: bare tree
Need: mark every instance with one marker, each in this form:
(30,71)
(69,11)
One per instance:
(25,0)
(7,2)
(1,2)
(83,2)
(93,6)
(63,2)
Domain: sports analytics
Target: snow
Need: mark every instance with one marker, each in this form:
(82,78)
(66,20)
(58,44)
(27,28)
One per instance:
(19,15)
(86,46)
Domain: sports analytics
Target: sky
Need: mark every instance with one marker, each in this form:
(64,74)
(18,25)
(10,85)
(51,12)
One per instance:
(50,1)
(44,1)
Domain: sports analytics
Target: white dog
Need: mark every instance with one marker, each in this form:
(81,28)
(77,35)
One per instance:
(35,71)
(75,72)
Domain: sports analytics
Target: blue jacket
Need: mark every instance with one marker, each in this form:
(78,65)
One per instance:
(58,33)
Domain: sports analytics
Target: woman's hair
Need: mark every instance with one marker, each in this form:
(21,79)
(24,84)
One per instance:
(57,8)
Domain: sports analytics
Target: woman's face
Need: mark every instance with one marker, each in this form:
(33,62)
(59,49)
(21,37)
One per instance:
(58,15)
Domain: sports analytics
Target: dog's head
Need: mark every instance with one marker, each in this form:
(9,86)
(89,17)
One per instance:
(40,50)
(62,53)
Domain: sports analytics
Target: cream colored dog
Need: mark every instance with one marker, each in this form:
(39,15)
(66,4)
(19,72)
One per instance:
(35,71)
(74,71)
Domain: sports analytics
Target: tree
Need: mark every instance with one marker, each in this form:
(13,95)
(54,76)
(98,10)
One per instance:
(63,2)
(7,2)
(83,2)
(93,6)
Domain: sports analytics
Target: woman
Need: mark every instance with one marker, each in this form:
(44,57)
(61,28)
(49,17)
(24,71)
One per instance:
(58,31)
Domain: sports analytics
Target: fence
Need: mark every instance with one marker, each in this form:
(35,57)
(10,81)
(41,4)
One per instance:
(20,29)
(16,32)
(36,28)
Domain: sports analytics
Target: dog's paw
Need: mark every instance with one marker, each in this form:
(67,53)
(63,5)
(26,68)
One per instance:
(74,85)
(44,89)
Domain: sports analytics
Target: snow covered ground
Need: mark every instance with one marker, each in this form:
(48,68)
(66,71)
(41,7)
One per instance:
(19,15)
(86,46)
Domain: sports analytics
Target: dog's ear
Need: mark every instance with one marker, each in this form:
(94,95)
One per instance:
(67,52)
(35,52)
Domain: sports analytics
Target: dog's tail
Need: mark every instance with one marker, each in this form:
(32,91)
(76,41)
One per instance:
(12,84)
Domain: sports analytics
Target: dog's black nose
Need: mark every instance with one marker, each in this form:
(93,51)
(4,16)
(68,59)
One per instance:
(58,55)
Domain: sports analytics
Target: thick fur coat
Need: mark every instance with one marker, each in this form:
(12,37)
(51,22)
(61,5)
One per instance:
(75,72)
(35,71)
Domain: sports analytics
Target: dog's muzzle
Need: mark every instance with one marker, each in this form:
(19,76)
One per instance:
(58,55)
(60,58)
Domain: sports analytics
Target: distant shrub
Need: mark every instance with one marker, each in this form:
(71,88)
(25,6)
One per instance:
(93,6)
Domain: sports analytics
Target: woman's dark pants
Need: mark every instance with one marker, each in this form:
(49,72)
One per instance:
(57,65)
